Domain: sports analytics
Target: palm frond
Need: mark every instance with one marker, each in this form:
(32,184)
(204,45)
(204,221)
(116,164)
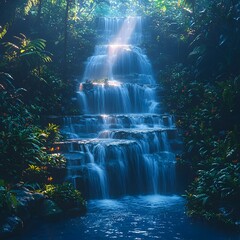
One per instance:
(3,31)
(29,5)
(11,45)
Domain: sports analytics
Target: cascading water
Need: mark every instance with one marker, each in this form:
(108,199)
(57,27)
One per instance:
(119,62)
(121,144)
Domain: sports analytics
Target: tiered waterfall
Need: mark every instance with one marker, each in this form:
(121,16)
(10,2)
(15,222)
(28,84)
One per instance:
(121,144)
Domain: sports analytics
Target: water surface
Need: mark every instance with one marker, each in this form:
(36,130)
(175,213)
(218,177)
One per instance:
(141,217)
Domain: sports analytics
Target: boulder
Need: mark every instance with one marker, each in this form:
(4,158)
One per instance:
(11,226)
(28,203)
(50,210)
(25,201)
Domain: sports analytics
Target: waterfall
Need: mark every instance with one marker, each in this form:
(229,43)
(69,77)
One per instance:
(121,144)
(107,85)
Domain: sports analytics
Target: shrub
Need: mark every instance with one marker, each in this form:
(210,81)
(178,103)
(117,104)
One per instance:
(66,196)
(8,201)
(55,160)
(35,174)
(23,146)
(49,135)
(208,117)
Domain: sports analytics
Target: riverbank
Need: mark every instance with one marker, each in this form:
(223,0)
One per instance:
(25,205)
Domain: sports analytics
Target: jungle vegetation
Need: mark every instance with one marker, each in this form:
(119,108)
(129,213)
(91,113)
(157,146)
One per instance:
(195,50)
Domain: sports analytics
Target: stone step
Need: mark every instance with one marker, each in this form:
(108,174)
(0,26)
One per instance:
(121,173)
(87,145)
(127,80)
(77,159)
(127,119)
(116,97)
(82,125)
(82,151)
(151,140)
(77,169)
(133,143)
(139,134)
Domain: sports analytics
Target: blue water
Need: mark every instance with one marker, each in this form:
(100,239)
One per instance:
(142,217)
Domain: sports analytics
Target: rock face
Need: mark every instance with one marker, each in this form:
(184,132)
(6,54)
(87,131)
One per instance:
(31,205)
(28,203)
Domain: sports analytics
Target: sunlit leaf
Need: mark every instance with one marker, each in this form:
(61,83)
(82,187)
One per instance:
(3,31)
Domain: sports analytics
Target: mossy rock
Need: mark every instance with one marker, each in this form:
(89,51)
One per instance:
(50,210)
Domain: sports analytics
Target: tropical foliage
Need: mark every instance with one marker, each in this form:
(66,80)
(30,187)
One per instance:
(43,45)
(211,141)
(195,50)
(66,196)
(203,91)
(8,201)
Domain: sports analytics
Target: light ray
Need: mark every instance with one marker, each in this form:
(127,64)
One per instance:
(122,39)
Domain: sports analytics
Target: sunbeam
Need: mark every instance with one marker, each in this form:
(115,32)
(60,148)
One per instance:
(122,39)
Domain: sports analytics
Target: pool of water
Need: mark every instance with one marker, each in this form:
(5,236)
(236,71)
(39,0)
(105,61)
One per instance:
(141,217)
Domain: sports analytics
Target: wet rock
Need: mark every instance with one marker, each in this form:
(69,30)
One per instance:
(172,133)
(166,120)
(38,202)
(50,210)
(10,226)
(23,196)
(25,202)
(28,203)
(38,197)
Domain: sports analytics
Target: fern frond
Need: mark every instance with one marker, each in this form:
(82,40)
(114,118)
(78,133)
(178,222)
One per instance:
(11,45)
